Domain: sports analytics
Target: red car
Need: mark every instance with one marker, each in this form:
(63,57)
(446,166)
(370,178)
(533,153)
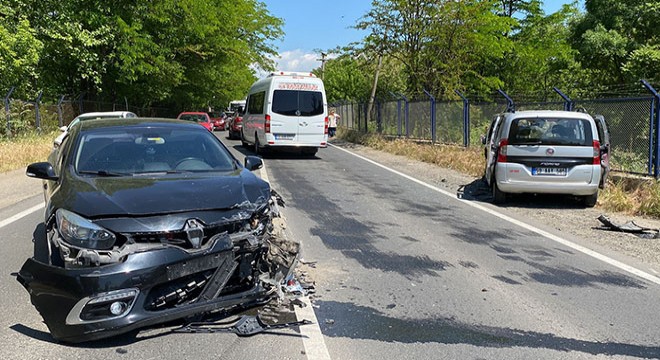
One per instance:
(218,120)
(201,118)
(235,125)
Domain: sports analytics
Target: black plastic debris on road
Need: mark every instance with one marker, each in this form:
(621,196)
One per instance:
(628,227)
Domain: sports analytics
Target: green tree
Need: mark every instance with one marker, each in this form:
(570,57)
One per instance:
(618,40)
(182,54)
(19,53)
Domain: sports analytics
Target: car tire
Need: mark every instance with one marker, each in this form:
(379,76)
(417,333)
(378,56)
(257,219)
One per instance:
(591,200)
(256,145)
(309,151)
(499,197)
(243,142)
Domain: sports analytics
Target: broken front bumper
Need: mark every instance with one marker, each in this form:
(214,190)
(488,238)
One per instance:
(148,288)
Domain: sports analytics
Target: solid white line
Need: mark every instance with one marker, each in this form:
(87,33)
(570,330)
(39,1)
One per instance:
(312,336)
(572,245)
(20,215)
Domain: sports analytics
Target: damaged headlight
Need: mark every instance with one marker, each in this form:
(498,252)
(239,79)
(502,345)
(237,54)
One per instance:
(78,231)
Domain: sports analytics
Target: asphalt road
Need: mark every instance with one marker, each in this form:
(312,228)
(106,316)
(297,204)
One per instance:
(402,271)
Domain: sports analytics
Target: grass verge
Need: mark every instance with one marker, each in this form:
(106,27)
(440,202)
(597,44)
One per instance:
(639,197)
(18,152)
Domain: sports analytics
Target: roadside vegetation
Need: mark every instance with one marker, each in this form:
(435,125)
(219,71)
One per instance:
(19,151)
(632,196)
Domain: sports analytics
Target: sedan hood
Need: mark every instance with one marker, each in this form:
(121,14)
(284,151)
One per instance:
(97,197)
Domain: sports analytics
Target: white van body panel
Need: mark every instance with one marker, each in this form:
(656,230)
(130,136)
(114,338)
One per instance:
(289,127)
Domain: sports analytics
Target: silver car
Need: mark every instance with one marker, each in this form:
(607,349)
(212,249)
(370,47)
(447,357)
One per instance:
(555,152)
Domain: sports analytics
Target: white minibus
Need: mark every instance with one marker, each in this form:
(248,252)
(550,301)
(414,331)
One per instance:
(286,110)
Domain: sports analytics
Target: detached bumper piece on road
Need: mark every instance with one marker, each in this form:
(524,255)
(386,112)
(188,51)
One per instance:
(159,284)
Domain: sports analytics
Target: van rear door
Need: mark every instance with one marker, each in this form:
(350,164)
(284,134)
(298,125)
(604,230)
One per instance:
(302,116)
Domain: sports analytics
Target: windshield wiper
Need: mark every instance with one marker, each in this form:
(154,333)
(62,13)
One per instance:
(103,173)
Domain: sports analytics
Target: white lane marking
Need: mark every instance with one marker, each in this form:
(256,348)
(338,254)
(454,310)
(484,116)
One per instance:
(312,336)
(20,215)
(572,245)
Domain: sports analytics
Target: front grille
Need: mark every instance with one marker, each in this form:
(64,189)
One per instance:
(180,238)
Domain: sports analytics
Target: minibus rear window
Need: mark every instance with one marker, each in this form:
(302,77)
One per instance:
(297,103)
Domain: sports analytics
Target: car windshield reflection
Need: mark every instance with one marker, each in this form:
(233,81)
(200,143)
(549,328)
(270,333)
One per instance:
(135,151)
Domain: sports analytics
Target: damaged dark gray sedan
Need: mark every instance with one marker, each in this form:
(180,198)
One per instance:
(149,221)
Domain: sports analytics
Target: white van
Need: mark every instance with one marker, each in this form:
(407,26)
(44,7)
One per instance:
(286,110)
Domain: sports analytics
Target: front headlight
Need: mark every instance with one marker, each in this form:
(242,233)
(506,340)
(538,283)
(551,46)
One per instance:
(78,231)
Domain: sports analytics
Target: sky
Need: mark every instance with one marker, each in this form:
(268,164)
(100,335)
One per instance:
(313,25)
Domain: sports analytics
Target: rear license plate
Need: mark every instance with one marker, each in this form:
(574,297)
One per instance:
(549,171)
(284,136)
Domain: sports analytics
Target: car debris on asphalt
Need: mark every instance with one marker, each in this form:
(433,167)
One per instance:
(628,227)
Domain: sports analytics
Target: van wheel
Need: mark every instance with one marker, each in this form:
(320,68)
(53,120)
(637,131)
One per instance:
(499,197)
(591,200)
(256,145)
(309,151)
(243,142)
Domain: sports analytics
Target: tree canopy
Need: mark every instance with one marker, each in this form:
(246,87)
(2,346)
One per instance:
(478,47)
(182,54)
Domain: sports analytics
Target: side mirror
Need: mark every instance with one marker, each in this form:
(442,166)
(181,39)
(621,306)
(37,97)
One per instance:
(63,128)
(483,139)
(41,170)
(253,163)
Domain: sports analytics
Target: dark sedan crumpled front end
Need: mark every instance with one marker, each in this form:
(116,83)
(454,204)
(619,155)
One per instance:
(161,268)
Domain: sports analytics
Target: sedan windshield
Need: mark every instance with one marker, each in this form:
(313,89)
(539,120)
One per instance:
(133,151)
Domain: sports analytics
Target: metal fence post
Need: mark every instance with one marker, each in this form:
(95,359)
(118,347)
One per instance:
(406,114)
(432,116)
(398,113)
(379,120)
(59,111)
(510,105)
(7,113)
(655,126)
(36,110)
(568,103)
(80,103)
(466,119)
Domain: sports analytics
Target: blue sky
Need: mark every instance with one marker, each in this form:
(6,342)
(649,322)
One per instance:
(315,24)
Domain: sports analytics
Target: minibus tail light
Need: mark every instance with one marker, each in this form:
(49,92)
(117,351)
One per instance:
(325,129)
(267,124)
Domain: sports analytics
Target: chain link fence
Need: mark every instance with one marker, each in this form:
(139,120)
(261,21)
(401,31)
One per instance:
(632,122)
(21,116)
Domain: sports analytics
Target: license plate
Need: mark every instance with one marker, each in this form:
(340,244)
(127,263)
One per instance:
(549,171)
(284,136)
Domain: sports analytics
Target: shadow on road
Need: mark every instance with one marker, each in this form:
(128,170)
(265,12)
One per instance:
(360,322)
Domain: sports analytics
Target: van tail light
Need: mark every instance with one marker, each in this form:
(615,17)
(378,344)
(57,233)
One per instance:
(501,152)
(596,152)
(325,129)
(267,124)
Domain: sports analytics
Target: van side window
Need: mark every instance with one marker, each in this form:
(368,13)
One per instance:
(297,103)
(256,103)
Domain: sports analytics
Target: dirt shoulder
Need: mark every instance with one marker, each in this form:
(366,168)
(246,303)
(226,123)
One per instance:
(563,216)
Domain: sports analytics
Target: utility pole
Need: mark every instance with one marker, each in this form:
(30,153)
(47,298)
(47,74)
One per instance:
(323,60)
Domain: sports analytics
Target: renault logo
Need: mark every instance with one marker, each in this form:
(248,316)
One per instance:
(195,232)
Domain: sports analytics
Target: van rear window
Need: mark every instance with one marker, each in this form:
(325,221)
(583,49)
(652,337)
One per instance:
(297,103)
(540,131)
